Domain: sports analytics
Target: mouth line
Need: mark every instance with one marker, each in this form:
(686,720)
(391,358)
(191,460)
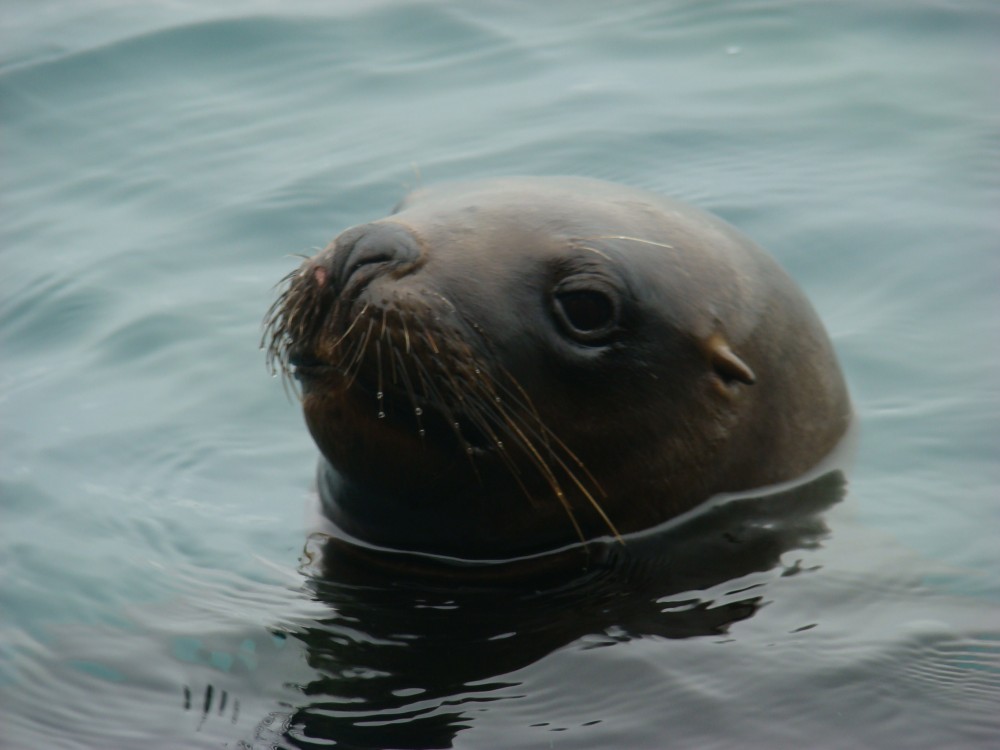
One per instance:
(307,366)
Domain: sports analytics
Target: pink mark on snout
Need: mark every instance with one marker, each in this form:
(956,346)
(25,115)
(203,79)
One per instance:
(320,275)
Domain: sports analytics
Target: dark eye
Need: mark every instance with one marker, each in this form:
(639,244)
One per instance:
(586,311)
(587,315)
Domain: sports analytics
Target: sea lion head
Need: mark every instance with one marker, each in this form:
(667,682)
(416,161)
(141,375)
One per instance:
(505,367)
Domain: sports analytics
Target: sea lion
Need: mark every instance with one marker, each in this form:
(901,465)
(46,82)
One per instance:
(505,367)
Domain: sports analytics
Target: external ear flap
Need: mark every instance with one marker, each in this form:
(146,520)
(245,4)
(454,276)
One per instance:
(726,364)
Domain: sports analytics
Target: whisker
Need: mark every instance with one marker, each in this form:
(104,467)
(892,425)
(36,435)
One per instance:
(622,237)
(406,332)
(357,356)
(545,433)
(408,387)
(350,328)
(380,392)
(481,417)
(548,434)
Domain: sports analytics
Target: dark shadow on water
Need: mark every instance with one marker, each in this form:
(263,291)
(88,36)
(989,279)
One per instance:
(412,648)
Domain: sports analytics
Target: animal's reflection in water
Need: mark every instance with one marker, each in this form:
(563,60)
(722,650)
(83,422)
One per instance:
(412,649)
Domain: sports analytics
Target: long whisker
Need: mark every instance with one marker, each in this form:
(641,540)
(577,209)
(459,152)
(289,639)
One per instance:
(544,432)
(361,313)
(548,434)
(433,395)
(623,237)
(380,388)
(484,417)
(357,355)
(408,387)
(541,432)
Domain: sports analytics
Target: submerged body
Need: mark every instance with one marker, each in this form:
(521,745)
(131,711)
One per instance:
(509,366)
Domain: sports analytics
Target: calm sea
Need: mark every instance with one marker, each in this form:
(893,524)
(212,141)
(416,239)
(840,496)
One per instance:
(163,162)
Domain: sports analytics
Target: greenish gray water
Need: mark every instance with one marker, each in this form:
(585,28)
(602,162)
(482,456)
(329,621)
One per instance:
(162,162)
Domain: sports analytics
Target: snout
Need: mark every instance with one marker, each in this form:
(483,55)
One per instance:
(363,253)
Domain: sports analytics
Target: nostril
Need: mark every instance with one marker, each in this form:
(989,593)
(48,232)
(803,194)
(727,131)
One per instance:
(379,246)
(366,256)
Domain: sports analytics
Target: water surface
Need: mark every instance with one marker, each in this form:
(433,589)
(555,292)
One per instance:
(164,162)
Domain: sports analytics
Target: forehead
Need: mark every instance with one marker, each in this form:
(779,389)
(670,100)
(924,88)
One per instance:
(537,211)
(673,257)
